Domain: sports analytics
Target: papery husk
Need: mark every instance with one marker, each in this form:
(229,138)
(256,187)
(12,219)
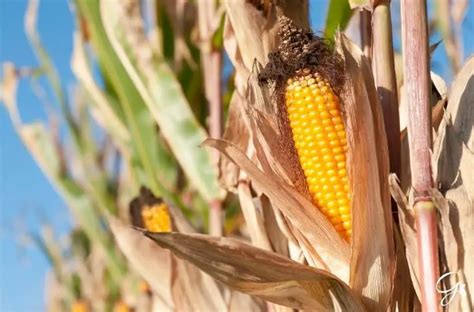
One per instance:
(147,259)
(249,35)
(331,250)
(176,284)
(407,227)
(453,163)
(260,273)
(373,255)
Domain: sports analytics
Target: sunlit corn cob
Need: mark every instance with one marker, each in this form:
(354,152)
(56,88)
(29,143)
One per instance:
(320,141)
(144,287)
(79,306)
(156,218)
(121,306)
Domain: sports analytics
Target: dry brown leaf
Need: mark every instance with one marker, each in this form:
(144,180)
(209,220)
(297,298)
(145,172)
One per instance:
(277,237)
(255,34)
(260,273)
(403,294)
(372,260)
(301,213)
(253,217)
(453,160)
(149,260)
(237,132)
(407,226)
(192,290)
(241,302)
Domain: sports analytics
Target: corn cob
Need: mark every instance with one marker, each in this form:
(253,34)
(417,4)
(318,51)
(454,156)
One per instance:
(79,306)
(121,306)
(320,140)
(156,218)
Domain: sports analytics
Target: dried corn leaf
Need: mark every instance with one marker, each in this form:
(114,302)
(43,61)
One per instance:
(194,290)
(301,213)
(237,132)
(277,238)
(372,260)
(453,162)
(255,34)
(253,217)
(407,227)
(261,273)
(149,260)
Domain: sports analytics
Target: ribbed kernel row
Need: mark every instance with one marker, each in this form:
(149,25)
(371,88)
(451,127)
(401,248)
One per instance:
(156,218)
(320,141)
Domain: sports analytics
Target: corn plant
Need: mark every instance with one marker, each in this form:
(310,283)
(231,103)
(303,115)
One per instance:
(291,183)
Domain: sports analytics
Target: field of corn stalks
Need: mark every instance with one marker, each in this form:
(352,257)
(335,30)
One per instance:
(223,156)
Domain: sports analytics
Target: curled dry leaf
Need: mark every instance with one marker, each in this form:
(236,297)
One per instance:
(260,273)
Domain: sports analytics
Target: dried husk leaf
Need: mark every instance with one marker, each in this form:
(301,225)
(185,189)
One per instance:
(261,273)
(236,131)
(453,160)
(243,302)
(253,217)
(407,227)
(277,238)
(372,260)
(301,213)
(255,34)
(177,285)
(192,290)
(149,260)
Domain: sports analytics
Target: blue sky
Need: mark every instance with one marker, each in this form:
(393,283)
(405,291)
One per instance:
(26,197)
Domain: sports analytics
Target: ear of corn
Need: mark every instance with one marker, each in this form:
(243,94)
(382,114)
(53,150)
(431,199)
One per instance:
(79,306)
(320,141)
(156,218)
(121,307)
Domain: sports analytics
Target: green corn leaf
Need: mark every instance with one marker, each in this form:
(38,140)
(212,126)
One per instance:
(146,150)
(338,16)
(162,94)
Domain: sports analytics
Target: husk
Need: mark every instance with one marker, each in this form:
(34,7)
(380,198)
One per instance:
(453,163)
(149,260)
(372,260)
(303,216)
(261,273)
(177,285)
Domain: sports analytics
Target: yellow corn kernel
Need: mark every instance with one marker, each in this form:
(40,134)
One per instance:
(121,306)
(156,218)
(79,306)
(321,145)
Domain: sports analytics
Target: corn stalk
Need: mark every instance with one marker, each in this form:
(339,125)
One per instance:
(417,82)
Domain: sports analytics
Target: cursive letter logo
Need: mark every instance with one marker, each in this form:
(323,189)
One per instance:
(449,294)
